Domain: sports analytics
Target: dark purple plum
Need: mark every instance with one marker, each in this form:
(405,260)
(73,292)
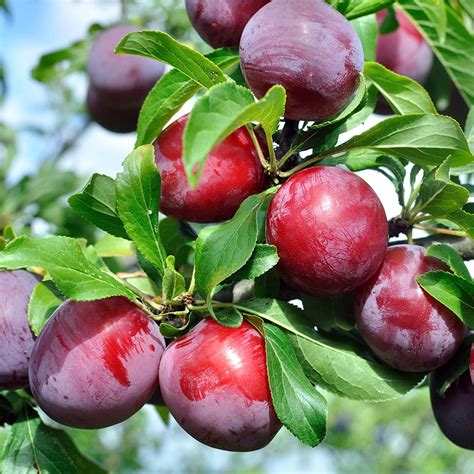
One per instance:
(454,411)
(16,340)
(214,382)
(220,24)
(114,119)
(96,363)
(310,49)
(404,325)
(118,83)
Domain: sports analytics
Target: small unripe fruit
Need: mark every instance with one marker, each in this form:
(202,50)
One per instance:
(404,326)
(404,51)
(330,231)
(231,174)
(16,338)
(96,363)
(220,24)
(214,382)
(310,49)
(454,411)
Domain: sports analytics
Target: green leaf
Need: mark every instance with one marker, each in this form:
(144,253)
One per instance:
(366,28)
(340,365)
(33,447)
(110,246)
(229,317)
(457,49)
(448,255)
(173,281)
(263,258)
(404,95)
(358,8)
(452,291)
(221,111)
(162,47)
(440,196)
(349,364)
(163,413)
(389,23)
(43,303)
(138,196)
(222,250)
(170,93)
(97,204)
(411,137)
(464,220)
(174,241)
(267,285)
(65,260)
(469,130)
(299,406)
(329,313)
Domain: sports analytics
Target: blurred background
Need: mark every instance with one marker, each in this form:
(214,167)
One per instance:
(49,148)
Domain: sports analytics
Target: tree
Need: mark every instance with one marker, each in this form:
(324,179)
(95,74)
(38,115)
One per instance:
(307,231)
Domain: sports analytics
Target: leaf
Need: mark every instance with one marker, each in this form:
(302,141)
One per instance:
(170,93)
(267,285)
(452,291)
(162,47)
(33,447)
(222,250)
(110,246)
(173,281)
(448,255)
(138,196)
(229,317)
(440,196)
(358,8)
(43,303)
(339,365)
(350,369)
(366,28)
(404,95)
(221,111)
(457,49)
(97,204)
(469,131)
(263,258)
(411,137)
(329,313)
(64,259)
(299,406)
(389,23)
(464,220)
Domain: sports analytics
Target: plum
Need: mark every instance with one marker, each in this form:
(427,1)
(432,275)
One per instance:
(310,49)
(404,326)
(214,382)
(118,84)
(404,51)
(330,231)
(232,173)
(454,411)
(220,24)
(96,363)
(17,340)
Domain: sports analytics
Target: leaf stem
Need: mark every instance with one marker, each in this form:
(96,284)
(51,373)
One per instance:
(257,146)
(438,230)
(192,284)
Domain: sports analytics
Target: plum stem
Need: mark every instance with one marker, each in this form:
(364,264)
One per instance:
(192,284)
(438,230)
(258,148)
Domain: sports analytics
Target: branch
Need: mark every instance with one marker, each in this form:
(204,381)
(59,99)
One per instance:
(70,142)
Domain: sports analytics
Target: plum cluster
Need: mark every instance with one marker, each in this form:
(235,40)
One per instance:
(96,363)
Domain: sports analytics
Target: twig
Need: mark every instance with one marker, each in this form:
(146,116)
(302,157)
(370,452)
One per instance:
(123,11)
(69,143)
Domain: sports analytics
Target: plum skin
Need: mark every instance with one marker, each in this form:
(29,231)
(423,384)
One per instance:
(95,363)
(454,411)
(404,326)
(220,24)
(17,339)
(232,173)
(310,49)
(404,51)
(330,231)
(118,84)
(214,382)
